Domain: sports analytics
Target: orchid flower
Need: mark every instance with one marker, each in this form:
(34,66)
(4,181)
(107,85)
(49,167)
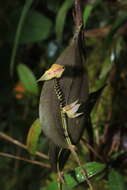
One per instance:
(71,109)
(55,71)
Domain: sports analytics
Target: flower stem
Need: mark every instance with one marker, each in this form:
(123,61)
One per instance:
(72,148)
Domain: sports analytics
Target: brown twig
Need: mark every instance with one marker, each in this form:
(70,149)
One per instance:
(102,32)
(99,32)
(25,159)
(16,142)
(91,149)
(78,13)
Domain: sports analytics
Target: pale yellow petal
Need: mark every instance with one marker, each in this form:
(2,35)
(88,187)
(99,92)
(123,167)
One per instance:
(70,106)
(55,71)
(71,109)
(74,115)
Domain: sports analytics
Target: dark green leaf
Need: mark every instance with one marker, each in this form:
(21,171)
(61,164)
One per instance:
(61,16)
(116,181)
(75,177)
(88,9)
(120,20)
(18,31)
(33,136)
(27,79)
(36,27)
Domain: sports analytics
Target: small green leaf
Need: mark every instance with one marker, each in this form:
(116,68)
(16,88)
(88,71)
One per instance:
(27,79)
(87,12)
(33,136)
(75,177)
(116,181)
(92,169)
(107,65)
(60,19)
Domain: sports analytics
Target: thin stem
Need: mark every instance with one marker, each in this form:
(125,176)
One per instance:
(83,141)
(25,159)
(64,125)
(78,13)
(21,145)
(84,172)
(72,148)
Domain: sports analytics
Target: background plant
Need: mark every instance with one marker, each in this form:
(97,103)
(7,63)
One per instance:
(32,35)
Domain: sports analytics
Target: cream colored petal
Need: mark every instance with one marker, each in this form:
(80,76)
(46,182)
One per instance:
(71,110)
(75,108)
(45,76)
(73,115)
(70,106)
(73,104)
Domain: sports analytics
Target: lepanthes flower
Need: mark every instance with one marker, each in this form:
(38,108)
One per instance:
(71,109)
(55,71)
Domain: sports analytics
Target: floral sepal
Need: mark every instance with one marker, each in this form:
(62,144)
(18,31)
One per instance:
(55,71)
(71,109)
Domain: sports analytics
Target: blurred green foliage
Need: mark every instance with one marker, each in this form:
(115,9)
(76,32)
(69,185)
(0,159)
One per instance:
(33,136)
(32,36)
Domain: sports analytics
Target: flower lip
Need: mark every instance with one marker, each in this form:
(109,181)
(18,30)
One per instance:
(71,109)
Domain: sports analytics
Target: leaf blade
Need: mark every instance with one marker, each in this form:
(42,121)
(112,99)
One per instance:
(33,136)
(60,19)
(88,10)
(75,177)
(25,10)
(116,181)
(36,27)
(27,79)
